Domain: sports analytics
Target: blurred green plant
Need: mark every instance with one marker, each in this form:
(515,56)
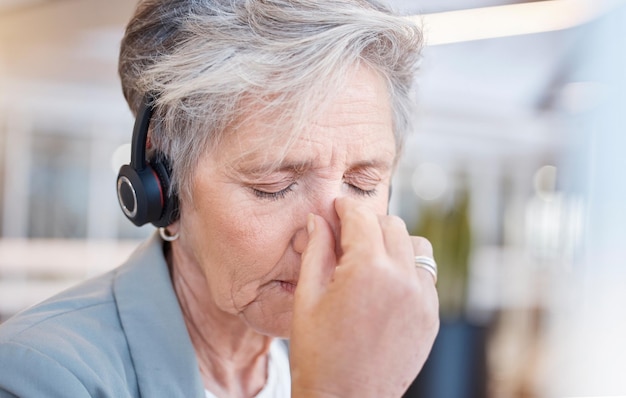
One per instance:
(447,227)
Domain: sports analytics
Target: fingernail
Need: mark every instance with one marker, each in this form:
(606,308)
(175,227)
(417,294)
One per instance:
(310,223)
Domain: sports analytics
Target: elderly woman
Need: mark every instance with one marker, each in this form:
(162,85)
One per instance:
(267,133)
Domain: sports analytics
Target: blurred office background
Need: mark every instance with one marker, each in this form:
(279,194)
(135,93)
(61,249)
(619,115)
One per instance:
(514,172)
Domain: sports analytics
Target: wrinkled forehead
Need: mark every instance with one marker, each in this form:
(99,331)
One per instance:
(360,108)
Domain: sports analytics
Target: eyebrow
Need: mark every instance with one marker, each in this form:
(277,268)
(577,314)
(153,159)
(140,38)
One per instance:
(299,167)
(256,170)
(371,164)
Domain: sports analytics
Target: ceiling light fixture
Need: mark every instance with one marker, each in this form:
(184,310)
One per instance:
(509,20)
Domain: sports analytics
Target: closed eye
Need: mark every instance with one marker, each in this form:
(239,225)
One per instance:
(273,195)
(363,192)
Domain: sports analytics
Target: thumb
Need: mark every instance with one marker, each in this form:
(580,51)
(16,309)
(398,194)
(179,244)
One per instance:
(318,260)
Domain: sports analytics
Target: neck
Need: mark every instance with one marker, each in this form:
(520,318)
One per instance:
(232,357)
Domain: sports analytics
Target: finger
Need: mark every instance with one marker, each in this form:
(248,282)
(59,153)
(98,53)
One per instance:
(423,247)
(397,240)
(318,260)
(360,230)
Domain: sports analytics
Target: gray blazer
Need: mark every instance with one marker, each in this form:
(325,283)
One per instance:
(119,335)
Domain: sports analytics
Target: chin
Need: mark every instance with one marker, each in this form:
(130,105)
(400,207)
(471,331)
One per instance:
(271,313)
(276,332)
(277,325)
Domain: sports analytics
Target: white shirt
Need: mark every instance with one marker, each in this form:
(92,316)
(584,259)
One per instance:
(278,383)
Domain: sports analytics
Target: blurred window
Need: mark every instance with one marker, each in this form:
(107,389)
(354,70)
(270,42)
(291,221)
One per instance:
(58,186)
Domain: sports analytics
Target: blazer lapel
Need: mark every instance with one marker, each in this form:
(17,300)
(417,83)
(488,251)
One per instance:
(160,347)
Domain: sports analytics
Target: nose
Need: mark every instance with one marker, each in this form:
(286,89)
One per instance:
(321,204)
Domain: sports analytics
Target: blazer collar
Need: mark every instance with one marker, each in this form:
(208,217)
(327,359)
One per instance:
(159,344)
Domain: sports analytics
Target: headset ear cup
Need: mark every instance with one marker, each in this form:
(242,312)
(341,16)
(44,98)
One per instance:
(169,205)
(143,189)
(139,194)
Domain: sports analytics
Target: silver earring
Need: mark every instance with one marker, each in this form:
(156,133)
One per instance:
(166,236)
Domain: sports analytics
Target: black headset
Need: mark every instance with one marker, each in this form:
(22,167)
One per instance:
(143,186)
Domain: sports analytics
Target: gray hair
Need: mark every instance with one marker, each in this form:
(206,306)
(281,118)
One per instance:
(211,63)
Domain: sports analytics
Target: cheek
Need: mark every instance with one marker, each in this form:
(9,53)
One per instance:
(380,203)
(258,237)
(243,249)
